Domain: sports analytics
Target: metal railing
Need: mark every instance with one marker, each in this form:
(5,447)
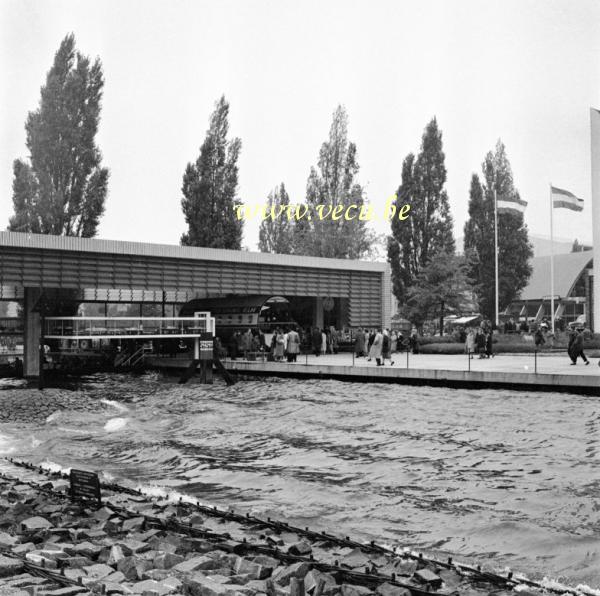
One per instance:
(127,327)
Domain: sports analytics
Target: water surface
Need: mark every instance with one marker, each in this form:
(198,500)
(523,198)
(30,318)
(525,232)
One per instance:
(506,478)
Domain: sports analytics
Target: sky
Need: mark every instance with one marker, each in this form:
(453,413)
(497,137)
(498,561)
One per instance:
(524,71)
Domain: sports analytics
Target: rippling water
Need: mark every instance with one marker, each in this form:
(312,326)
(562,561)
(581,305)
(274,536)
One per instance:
(500,477)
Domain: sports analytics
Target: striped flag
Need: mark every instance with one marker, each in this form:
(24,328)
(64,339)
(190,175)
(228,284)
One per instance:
(565,199)
(512,205)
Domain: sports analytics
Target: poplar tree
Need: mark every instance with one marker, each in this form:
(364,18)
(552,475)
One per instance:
(331,184)
(428,233)
(514,249)
(61,189)
(209,188)
(276,229)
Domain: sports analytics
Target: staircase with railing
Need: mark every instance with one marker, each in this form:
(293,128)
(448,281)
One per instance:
(129,359)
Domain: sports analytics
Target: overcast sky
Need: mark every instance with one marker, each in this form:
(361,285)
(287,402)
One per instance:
(524,71)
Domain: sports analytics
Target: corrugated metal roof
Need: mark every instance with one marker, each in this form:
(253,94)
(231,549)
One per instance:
(93,245)
(567,268)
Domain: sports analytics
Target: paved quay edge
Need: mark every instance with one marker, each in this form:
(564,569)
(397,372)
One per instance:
(588,384)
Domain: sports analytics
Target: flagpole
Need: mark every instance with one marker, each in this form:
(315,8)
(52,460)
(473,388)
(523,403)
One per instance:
(551,261)
(496,252)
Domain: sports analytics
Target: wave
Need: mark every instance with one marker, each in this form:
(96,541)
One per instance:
(115,404)
(7,445)
(115,424)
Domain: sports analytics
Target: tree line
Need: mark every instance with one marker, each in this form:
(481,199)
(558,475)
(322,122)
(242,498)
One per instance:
(62,188)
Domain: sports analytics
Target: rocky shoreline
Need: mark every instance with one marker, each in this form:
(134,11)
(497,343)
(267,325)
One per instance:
(135,544)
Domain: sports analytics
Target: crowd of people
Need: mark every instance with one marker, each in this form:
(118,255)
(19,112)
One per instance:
(479,341)
(284,343)
(381,344)
(375,345)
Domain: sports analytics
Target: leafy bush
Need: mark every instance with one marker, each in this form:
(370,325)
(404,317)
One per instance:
(431,339)
(442,348)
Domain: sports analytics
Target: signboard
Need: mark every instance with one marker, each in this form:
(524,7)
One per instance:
(85,486)
(206,346)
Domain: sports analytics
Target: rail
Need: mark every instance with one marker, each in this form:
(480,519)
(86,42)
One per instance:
(129,359)
(88,328)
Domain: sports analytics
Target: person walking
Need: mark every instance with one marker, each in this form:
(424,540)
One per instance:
(359,343)
(316,341)
(247,343)
(470,343)
(334,339)
(293,345)
(370,342)
(278,348)
(375,351)
(414,342)
(577,348)
(232,346)
(386,348)
(539,338)
(489,352)
(480,343)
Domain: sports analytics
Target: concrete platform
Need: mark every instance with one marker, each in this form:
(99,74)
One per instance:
(511,371)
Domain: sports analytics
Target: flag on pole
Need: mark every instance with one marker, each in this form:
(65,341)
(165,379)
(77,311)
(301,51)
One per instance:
(514,205)
(565,199)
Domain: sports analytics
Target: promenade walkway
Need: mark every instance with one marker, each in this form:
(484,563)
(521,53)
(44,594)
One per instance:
(547,363)
(551,372)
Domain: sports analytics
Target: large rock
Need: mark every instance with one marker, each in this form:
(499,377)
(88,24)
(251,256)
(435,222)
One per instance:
(103,514)
(21,549)
(54,554)
(74,574)
(10,566)
(253,570)
(151,586)
(352,590)
(133,524)
(167,560)
(95,534)
(173,582)
(111,555)
(312,579)
(160,544)
(426,576)
(387,589)
(132,546)
(85,549)
(10,591)
(224,559)
(116,577)
(33,524)
(38,559)
(266,561)
(197,545)
(282,575)
(357,558)
(7,541)
(196,564)
(113,525)
(98,571)
(301,548)
(76,562)
(200,585)
(133,568)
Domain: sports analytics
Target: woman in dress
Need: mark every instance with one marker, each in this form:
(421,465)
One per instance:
(279,346)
